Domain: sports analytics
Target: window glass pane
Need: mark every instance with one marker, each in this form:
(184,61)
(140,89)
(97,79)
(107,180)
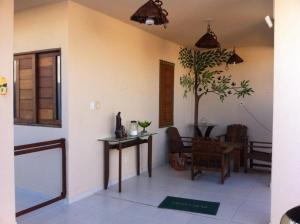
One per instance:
(15,80)
(58,88)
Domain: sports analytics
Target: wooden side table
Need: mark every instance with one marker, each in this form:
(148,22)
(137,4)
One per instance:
(113,143)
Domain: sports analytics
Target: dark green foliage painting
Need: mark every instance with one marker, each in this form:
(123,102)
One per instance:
(204,76)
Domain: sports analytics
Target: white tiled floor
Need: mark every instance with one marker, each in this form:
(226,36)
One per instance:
(27,198)
(244,198)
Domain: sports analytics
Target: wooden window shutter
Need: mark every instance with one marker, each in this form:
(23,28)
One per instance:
(25,95)
(166,94)
(47,88)
(37,88)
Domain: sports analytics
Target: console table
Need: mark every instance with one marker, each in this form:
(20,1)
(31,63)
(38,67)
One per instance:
(113,143)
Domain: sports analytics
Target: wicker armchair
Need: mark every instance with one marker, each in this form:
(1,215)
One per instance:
(208,155)
(179,148)
(258,151)
(236,134)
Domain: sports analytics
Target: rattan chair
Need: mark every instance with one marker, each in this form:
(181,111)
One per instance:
(180,148)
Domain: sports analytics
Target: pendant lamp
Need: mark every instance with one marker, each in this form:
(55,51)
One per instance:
(235,59)
(208,40)
(151,13)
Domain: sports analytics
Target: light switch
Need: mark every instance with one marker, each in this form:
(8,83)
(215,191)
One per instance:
(3,86)
(98,105)
(94,105)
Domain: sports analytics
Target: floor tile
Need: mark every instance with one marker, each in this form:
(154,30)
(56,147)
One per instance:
(244,199)
(199,219)
(251,217)
(165,216)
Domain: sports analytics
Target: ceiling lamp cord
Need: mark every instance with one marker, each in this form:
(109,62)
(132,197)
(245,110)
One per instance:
(209,30)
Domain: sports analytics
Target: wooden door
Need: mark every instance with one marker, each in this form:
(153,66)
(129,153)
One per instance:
(166,94)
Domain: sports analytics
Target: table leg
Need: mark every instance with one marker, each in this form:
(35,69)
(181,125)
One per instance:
(197,132)
(242,153)
(237,160)
(208,131)
(120,168)
(150,156)
(106,164)
(138,159)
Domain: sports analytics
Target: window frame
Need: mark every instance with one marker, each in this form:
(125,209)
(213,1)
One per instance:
(58,95)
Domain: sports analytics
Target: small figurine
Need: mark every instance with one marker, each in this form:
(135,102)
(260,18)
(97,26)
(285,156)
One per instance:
(119,129)
(124,133)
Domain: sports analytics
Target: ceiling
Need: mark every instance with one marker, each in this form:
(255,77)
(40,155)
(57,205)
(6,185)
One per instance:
(236,22)
(25,4)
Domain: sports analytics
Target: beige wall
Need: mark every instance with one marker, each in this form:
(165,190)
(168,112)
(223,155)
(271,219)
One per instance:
(121,76)
(117,65)
(42,28)
(286,153)
(258,68)
(7,203)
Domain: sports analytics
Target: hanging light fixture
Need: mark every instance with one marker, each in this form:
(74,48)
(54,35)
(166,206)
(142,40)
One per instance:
(208,40)
(151,13)
(234,58)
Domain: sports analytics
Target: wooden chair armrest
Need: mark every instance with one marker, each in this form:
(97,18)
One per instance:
(260,147)
(258,142)
(187,137)
(208,154)
(253,146)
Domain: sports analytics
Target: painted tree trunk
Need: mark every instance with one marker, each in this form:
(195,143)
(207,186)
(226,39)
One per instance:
(196,114)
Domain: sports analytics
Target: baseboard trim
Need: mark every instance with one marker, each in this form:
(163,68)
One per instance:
(83,195)
(91,192)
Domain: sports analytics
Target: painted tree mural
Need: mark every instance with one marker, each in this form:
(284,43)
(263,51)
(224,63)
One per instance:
(204,76)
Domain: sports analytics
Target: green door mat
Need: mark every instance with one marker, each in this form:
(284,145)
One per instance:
(189,205)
